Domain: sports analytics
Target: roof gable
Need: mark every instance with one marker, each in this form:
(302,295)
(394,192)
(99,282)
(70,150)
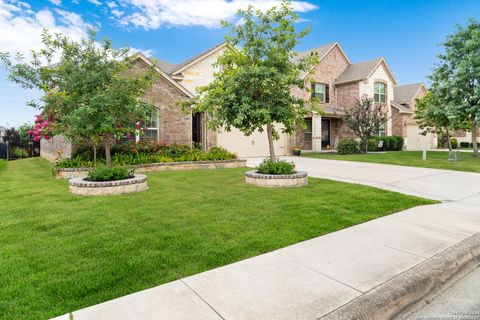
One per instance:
(186,64)
(322,52)
(407,93)
(363,70)
(162,73)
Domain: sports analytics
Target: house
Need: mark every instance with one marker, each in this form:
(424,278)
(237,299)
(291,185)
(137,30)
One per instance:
(335,81)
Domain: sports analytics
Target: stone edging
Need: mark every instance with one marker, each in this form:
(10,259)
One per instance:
(80,182)
(256,175)
(147,165)
(414,288)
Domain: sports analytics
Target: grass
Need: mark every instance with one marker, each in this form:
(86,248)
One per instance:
(60,252)
(435,159)
(3,165)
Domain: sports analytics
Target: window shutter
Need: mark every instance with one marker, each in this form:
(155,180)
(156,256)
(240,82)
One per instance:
(313,89)
(327,93)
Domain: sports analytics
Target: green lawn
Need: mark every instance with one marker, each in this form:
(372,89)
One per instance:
(435,159)
(3,165)
(61,252)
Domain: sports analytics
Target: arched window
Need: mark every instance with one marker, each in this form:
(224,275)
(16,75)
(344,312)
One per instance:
(380,94)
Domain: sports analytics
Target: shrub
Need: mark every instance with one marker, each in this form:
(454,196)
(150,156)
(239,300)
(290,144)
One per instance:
(79,161)
(348,146)
(109,174)
(279,167)
(465,144)
(454,143)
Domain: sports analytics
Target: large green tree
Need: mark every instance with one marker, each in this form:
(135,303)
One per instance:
(458,75)
(89,89)
(252,89)
(431,115)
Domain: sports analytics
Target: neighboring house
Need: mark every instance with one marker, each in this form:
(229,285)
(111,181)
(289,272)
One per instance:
(336,81)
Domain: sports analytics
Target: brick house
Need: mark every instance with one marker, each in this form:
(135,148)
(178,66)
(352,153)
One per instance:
(335,80)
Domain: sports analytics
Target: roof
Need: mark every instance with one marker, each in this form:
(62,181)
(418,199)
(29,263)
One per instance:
(406,93)
(164,65)
(359,71)
(162,73)
(400,107)
(182,66)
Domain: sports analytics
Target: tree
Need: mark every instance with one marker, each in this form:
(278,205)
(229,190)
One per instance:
(365,119)
(458,75)
(89,89)
(431,115)
(12,136)
(252,89)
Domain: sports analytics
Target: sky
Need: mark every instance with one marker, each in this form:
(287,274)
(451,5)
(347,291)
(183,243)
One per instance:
(407,33)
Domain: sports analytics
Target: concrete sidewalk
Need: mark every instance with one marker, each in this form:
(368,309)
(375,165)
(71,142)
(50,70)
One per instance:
(313,278)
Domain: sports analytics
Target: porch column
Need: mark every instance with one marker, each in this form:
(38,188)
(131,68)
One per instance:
(316,133)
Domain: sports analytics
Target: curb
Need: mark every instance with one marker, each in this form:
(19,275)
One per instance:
(414,288)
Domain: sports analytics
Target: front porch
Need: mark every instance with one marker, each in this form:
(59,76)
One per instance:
(321,133)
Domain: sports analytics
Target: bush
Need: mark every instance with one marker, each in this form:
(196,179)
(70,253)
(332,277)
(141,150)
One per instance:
(465,144)
(279,167)
(348,146)
(454,143)
(109,174)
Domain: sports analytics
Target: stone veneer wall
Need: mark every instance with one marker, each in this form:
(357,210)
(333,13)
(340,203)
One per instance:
(58,147)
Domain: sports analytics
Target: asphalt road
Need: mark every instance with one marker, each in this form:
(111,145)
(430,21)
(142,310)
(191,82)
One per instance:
(459,302)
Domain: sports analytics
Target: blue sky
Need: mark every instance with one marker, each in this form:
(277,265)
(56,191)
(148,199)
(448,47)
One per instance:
(406,32)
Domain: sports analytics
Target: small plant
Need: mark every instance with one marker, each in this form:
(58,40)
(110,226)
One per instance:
(348,146)
(297,150)
(454,143)
(279,167)
(104,173)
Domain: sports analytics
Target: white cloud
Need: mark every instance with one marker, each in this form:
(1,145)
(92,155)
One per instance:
(95,2)
(20,27)
(152,14)
(56,2)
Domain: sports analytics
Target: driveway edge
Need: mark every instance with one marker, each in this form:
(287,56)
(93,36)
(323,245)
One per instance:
(414,288)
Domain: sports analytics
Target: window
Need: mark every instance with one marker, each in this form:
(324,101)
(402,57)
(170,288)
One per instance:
(320,91)
(380,95)
(151,125)
(382,132)
(307,132)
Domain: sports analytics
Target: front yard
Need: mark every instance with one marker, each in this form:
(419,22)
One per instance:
(435,159)
(61,252)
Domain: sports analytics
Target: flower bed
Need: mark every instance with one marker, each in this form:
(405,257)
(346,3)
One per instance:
(81,186)
(69,173)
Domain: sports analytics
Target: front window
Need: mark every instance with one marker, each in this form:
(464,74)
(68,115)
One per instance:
(380,92)
(319,90)
(381,131)
(307,133)
(151,125)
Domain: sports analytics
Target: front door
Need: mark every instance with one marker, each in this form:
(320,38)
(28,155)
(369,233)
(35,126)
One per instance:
(326,133)
(197,128)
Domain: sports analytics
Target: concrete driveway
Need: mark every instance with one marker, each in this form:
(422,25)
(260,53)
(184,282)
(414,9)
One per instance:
(444,185)
(312,279)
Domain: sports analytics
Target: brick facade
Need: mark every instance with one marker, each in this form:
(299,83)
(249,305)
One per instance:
(175,124)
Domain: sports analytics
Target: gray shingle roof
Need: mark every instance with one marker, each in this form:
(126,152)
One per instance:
(320,50)
(166,66)
(406,93)
(358,71)
(401,108)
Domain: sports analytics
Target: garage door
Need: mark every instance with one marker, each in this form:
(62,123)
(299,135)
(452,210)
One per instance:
(416,141)
(255,145)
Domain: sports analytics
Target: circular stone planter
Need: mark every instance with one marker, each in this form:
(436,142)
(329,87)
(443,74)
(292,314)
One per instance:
(104,188)
(298,179)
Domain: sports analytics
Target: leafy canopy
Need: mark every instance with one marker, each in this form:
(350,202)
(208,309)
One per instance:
(252,86)
(89,88)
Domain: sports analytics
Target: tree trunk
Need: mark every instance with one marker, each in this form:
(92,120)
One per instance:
(474,137)
(365,145)
(270,143)
(108,156)
(449,142)
(94,152)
